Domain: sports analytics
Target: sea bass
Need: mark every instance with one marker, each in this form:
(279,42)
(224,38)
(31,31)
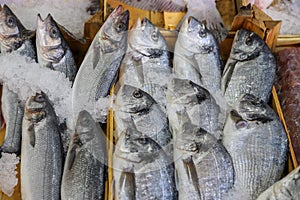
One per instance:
(101,64)
(85,167)
(197,57)
(250,68)
(257,143)
(285,189)
(198,103)
(52,49)
(142,170)
(41,152)
(146,64)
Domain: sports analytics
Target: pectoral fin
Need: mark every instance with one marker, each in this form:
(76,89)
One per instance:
(127,185)
(190,168)
(31,134)
(72,156)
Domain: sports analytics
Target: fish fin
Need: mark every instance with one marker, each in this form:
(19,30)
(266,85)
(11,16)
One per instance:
(227,73)
(96,55)
(31,135)
(72,157)
(127,184)
(191,171)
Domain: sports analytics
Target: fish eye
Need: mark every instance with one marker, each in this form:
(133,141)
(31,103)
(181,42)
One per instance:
(11,21)
(121,27)
(154,36)
(142,141)
(137,93)
(202,33)
(39,98)
(249,40)
(53,32)
(85,121)
(241,124)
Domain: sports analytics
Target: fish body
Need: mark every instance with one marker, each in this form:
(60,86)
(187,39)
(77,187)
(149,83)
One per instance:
(142,170)
(250,68)
(197,57)
(101,64)
(41,151)
(52,49)
(146,64)
(257,143)
(85,167)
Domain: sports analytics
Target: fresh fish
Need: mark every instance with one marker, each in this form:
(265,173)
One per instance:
(285,189)
(203,166)
(100,66)
(142,170)
(197,57)
(250,68)
(41,152)
(52,49)
(198,103)
(85,167)
(257,143)
(202,10)
(146,64)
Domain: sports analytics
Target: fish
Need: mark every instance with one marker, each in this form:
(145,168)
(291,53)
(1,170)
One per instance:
(257,142)
(203,10)
(285,189)
(204,168)
(142,170)
(197,56)
(146,64)
(53,51)
(250,68)
(41,150)
(85,167)
(199,104)
(100,67)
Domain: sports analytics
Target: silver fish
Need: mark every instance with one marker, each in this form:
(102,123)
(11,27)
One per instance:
(52,49)
(100,66)
(257,143)
(285,189)
(142,170)
(146,64)
(85,166)
(203,166)
(41,152)
(249,69)
(197,57)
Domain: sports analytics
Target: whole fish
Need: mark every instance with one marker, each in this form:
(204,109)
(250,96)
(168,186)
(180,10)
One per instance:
(142,170)
(203,166)
(85,165)
(198,103)
(52,49)
(197,56)
(41,152)
(249,69)
(257,143)
(101,64)
(285,189)
(146,64)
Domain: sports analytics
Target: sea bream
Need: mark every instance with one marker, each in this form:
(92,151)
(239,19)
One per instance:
(86,162)
(197,57)
(41,152)
(146,64)
(257,143)
(100,67)
(52,49)
(250,68)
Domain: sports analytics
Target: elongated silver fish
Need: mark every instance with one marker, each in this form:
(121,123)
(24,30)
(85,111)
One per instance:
(285,189)
(85,166)
(146,64)
(197,57)
(257,143)
(52,49)
(142,170)
(249,69)
(101,64)
(183,94)
(41,152)
(203,166)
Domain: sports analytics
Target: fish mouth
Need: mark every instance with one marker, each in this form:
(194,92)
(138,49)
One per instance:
(53,53)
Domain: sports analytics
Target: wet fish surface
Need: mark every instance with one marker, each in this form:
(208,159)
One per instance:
(146,64)
(101,64)
(85,167)
(197,57)
(250,68)
(257,143)
(41,152)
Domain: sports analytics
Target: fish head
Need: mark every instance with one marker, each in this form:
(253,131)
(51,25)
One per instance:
(86,127)
(196,37)
(49,39)
(134,100)
(36,107)
(146,39)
